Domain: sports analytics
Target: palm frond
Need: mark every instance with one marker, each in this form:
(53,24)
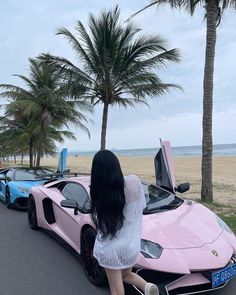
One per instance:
(228,4)
(27,81)
(78,48)
(13,91)
(129,102)
(67,68)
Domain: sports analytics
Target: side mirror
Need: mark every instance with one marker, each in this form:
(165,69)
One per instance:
(183,187)
(72,204)
(66,171)
(3,177)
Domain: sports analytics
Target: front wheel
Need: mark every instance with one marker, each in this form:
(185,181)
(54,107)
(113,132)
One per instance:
(8,199)
(94,272)
(32,213)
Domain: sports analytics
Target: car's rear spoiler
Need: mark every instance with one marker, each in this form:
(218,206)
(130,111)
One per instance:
(52,175)
(56,176)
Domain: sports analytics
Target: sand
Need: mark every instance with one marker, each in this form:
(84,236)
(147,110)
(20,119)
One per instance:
(187,169)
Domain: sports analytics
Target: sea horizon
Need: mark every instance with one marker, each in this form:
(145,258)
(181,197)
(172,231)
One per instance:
(177,151)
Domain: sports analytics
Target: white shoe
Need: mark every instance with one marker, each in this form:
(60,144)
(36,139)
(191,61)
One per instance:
(151,289)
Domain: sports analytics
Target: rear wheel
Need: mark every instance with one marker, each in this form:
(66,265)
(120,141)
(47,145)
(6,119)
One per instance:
(8,198)
(32,213)
(94,272)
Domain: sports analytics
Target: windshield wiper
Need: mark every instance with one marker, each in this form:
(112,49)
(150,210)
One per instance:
(146,210)
(168,206)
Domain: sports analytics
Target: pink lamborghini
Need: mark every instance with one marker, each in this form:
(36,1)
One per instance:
(185,247)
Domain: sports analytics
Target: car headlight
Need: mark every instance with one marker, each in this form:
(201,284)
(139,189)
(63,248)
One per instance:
(150,249)
(223,225)
(23,189)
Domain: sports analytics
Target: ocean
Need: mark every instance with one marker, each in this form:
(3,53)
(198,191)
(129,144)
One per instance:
(182,151)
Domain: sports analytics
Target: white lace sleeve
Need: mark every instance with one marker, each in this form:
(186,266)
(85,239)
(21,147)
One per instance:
(134,190)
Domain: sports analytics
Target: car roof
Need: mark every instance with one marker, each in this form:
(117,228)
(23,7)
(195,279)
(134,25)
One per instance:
(84,180)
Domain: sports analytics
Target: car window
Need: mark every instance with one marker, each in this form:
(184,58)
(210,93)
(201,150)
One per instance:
(9,175)
(157,197)
(31,174)
(74,191)
(43,171)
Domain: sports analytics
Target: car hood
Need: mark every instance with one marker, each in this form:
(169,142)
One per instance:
(189,226)
(27,183)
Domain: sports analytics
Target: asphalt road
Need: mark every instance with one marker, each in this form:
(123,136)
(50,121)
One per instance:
(33,263)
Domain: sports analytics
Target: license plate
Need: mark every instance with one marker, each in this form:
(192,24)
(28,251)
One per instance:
(223,275)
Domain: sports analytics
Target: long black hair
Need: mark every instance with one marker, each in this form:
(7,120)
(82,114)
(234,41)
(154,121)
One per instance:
(107,193)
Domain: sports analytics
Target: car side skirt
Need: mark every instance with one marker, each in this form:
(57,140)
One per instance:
(66,245)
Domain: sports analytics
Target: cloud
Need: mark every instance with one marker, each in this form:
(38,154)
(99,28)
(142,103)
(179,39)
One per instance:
(28,29)
(183,129)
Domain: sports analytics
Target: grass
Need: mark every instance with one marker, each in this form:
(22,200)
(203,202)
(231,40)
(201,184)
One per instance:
(231,221)
(225,212)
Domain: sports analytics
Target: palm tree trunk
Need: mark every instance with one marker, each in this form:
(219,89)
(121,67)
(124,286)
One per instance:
(104,126)
(22,158)
(31,153)
(207,141)
(38,159)
(35,156)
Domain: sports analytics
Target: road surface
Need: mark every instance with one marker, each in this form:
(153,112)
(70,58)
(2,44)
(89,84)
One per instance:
(33,263)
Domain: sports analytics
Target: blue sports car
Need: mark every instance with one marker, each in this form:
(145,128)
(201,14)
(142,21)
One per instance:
(15,184)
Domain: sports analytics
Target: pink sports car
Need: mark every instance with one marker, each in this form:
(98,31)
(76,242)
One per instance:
(185,247)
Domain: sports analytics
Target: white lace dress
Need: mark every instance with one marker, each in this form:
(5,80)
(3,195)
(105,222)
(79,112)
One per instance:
(123,250)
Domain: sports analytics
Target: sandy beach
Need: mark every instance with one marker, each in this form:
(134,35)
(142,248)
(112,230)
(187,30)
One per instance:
(187,169)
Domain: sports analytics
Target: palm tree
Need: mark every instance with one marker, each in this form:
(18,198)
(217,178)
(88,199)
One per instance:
(214,10)
(117,64)
(11,126)
(16,130)
(42,110)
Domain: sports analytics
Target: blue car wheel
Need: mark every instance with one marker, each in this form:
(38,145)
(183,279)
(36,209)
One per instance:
(8,198)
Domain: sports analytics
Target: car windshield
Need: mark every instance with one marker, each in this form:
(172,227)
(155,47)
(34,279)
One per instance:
(31,174)
(158,199)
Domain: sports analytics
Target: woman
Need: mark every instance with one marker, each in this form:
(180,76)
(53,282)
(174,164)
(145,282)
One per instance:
(117,204)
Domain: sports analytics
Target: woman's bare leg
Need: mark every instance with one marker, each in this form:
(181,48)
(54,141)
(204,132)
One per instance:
(115,281)
(132,278)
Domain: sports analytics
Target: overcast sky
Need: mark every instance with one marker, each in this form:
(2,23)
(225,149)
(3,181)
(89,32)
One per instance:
(28,28)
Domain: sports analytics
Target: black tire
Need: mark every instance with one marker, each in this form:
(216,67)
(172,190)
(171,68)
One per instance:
(8,199)
(32,213)
(94,272)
